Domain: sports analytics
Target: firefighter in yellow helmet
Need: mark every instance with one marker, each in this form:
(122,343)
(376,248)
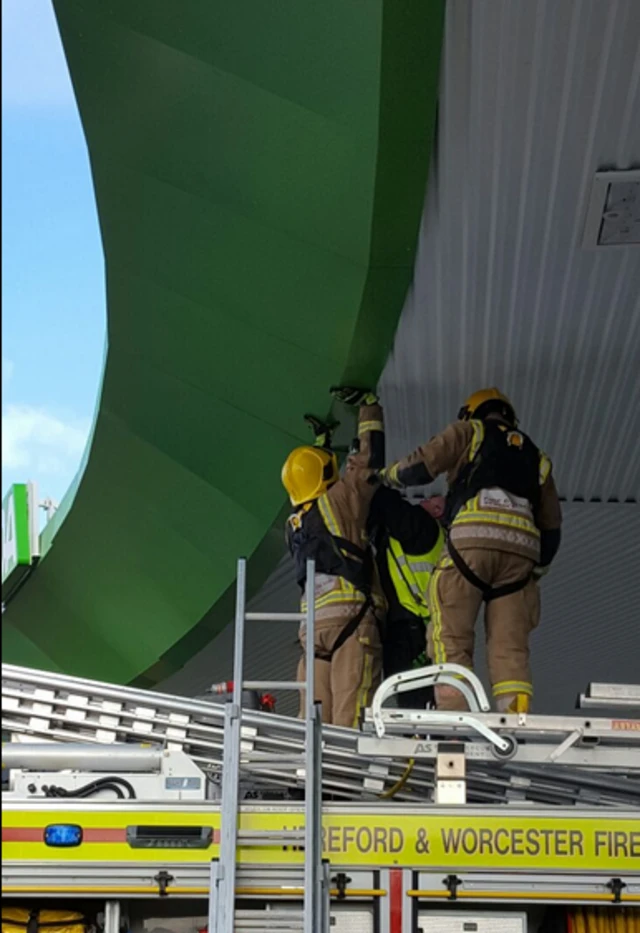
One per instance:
(503,519)
(329,525)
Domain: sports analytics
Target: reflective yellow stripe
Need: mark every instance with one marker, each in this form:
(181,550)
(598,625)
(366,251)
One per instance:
(332,599)
(411,574)
(365,426)
(440,655)
(478,437)
(512,686)
(335,598)
(473,506)
(544,469)
(417,566)
(497,518)
(472,513)
(328,516)
(344,594)
(391,475)
(363,693)
(90,888)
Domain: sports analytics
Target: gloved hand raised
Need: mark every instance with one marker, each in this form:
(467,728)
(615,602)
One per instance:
(386,476)
(322,430)
(350,395)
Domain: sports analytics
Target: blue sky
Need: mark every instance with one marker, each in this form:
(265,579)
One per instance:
(53,300)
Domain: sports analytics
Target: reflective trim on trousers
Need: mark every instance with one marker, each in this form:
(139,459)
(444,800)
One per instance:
(512,686)
(365,688)
(439,652)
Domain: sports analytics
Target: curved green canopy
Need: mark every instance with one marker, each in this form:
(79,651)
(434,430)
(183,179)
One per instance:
(259,171)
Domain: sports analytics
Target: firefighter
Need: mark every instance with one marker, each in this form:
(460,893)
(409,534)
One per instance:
(408,541)
(503,518)
(329,525)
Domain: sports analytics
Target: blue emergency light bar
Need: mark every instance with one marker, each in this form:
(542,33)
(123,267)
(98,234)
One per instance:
(62,835)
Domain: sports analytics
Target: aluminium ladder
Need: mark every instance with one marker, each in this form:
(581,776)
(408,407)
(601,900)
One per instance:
(55,707)
(591,745)
(557,760)
(38,705)
(223,917)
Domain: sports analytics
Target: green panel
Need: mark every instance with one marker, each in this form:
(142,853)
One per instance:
(259,171)
(16,547)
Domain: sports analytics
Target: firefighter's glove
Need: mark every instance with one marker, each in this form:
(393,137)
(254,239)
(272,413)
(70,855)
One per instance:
(350,395)
(388,476)
(322,430)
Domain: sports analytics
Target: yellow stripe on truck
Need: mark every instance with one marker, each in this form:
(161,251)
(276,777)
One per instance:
(522,842)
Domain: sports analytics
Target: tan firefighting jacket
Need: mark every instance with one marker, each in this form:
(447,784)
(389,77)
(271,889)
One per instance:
(492,519)
(344,509)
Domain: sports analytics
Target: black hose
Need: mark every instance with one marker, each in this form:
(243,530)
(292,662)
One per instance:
(112,783)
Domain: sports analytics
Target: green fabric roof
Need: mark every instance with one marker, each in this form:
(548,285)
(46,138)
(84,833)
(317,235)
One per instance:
(259,171)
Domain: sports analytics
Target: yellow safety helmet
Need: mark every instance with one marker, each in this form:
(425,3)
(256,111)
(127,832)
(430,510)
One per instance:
(308,472)
(471,408)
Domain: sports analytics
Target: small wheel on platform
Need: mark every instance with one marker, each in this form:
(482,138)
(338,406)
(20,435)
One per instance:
(507,753)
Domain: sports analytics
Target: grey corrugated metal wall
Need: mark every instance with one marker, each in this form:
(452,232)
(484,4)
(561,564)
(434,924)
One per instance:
(535,98)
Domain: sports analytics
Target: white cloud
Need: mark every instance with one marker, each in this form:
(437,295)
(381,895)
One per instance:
(34,439)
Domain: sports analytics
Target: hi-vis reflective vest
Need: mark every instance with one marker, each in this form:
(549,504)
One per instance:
(411,573)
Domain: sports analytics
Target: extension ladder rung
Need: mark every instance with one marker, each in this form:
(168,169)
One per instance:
(275,616)
(271,838)
(614,691)
(40,705)
(269,921)
(610,696)
(223,916)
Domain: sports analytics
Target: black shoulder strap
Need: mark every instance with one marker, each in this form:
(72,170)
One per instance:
(357,563)
(351,549)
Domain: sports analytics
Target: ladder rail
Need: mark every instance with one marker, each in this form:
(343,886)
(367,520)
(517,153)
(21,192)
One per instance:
(313,774)
(346,780)
(225,892)
(39,705)
(222,902)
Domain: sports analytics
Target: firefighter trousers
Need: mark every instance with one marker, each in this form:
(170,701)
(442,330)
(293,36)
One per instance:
(346,683)
(404,649)
(509,621)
